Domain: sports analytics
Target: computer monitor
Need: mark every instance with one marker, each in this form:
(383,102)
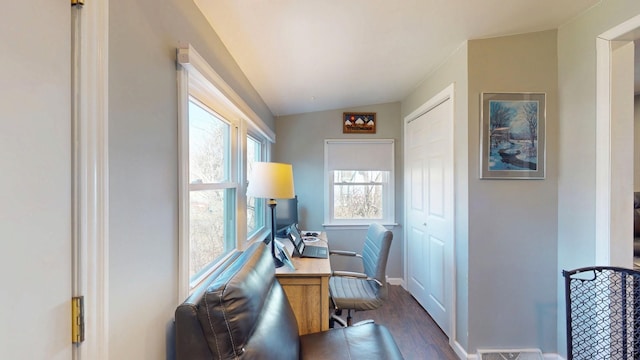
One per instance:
(286,214)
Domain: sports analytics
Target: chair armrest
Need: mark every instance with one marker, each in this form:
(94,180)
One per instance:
(354,274)
(344,253)
(349,274)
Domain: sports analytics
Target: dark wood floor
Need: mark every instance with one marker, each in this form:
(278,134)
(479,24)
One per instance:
(416,334)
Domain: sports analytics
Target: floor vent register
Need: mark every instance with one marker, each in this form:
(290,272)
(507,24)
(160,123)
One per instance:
(513,354)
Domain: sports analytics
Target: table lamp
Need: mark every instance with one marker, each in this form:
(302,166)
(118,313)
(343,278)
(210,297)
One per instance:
(271,181)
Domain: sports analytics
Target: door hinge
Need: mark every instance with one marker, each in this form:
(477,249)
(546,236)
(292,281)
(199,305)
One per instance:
(77,3)
(77,319)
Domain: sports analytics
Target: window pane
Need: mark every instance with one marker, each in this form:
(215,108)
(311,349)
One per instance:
(208,146)
(211,233)
(255,207)
(357,201)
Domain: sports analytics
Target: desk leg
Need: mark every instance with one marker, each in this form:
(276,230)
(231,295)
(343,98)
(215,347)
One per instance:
(309,299)
(324,303)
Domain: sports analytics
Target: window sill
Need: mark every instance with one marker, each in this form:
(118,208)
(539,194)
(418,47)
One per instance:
(259,236)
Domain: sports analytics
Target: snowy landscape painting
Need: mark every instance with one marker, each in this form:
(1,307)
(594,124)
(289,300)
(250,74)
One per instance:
(513,135)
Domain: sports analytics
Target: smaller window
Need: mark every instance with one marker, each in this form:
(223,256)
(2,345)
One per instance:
(359,194)
(359,186)
(256,217)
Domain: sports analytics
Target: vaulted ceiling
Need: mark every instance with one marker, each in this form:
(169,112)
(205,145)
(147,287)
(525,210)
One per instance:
(313,55)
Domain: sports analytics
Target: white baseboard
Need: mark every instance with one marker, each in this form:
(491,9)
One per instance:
(553,357)
(395,281)
(463,355)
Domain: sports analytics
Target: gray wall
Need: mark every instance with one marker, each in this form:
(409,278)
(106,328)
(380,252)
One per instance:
(577,111)
(300,142)
(143,258)
(513,223)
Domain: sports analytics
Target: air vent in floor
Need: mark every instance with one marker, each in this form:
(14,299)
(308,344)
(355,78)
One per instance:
(510,354)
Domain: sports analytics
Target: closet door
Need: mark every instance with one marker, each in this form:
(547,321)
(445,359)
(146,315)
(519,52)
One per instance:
(429,204)
(35,180)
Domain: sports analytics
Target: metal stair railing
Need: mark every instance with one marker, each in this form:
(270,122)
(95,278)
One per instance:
(603,313)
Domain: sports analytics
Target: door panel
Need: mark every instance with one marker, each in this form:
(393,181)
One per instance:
(417,271)
(436,272)
(35,181)
(430,215)
(436,184)
(416,214)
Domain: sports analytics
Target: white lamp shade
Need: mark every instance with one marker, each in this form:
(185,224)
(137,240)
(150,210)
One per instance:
(271,181)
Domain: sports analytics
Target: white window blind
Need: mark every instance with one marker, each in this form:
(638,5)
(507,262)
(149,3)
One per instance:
(359,154)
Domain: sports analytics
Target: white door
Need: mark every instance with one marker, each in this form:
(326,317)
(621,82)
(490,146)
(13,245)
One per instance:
(35,180)
(429,204)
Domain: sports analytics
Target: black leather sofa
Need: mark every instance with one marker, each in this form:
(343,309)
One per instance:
(241,312)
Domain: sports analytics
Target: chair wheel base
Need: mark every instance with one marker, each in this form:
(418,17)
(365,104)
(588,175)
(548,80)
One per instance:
(363,322)
(335,319)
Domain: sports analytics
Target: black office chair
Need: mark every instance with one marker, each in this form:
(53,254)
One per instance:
(362,291)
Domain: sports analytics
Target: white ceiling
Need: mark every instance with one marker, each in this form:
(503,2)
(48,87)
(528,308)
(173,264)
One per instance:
(313,55)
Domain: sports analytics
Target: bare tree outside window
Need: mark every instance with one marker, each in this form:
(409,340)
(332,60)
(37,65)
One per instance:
(208,164)
(358,194)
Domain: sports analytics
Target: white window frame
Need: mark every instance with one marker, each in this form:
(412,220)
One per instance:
(261,229)
(364,146)
(196,77)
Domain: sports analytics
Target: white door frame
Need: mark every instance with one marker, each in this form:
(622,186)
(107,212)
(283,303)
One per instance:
(614,148)
(442,96)
(91,178)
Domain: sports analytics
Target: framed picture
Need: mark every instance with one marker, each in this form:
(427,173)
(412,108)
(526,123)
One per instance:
(358,122)
(512,140)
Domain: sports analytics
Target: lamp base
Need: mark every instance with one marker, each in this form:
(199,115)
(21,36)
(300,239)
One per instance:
(277,262)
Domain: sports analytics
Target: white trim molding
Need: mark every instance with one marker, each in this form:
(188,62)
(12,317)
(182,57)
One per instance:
(614,144)
(189,58)
(91,177)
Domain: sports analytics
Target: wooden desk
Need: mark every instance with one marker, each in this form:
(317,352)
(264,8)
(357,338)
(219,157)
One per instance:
(307,288)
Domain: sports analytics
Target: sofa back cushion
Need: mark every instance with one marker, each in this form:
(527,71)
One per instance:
(190,339)
(245,314)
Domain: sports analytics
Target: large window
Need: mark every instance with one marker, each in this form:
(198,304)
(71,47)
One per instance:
(220,137)
(212,188)
(359,186)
